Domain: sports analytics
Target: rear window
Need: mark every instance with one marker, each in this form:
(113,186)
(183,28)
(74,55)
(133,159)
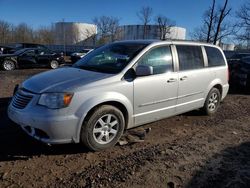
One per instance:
(190,57)
(214,57)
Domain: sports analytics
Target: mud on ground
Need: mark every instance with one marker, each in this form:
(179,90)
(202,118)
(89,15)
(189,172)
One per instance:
(189,150)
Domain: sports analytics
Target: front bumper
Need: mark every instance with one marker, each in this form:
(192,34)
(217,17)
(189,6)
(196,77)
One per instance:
(46,127)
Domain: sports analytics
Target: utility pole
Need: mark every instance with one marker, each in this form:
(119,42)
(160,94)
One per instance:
(64,37)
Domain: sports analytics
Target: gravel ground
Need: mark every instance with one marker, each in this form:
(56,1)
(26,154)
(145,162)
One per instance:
(189,150)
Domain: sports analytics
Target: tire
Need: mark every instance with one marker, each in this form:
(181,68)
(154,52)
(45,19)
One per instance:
(103,128)
(212,102)
(54,64)
(8,65)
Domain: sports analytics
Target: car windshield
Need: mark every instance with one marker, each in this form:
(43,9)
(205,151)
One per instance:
(110,58)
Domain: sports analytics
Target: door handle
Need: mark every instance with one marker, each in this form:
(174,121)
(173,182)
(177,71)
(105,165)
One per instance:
(183,78)
(172,80)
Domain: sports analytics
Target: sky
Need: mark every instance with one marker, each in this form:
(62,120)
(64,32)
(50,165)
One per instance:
(36,13)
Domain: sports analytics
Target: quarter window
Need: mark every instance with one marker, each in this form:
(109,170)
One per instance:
(190,57)
(159,58)
(214,57)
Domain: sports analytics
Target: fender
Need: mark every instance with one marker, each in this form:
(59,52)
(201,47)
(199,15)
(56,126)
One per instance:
(99,99)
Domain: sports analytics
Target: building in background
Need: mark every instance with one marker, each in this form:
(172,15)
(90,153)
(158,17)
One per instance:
(228,47)
(132,32)
(72,33)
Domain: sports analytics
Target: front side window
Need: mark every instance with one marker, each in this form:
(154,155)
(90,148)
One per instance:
(190,57)
(111,58)
(159,58)
(214,57)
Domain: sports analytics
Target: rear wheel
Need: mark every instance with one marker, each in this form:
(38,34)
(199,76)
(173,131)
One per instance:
(103,128)
(54,64)
(212,102)
(8,65)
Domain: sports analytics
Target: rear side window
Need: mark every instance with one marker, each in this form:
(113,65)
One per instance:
(190,57)
(214,57)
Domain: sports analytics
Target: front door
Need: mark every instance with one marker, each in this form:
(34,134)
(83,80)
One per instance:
(155,96)
(27,59)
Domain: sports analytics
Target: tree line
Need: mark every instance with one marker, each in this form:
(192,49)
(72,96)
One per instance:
(22,32)
(217,26)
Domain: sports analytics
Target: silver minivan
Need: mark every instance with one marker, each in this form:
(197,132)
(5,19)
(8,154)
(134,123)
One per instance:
(119,86)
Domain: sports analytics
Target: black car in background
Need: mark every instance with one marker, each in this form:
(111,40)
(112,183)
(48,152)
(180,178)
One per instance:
(31,57)
(242,73)
(238,56)
(234,64)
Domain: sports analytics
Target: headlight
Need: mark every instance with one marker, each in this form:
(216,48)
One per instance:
(55,100)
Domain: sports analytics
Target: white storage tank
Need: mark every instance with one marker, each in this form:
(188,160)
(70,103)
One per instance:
(132,32)
(70,33)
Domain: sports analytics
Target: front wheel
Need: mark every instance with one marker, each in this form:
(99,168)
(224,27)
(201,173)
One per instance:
(54,64)
(103,128)
(212,101)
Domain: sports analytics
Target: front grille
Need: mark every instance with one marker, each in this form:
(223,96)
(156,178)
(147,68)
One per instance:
(21,100)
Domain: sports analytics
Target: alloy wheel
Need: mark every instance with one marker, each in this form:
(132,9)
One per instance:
(106,129)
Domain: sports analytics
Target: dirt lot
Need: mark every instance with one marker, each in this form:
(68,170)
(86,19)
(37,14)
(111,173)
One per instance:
(188,150)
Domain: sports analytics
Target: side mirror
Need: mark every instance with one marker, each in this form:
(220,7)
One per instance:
(144,70)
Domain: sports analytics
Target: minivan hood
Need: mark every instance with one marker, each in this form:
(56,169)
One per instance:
(62,79)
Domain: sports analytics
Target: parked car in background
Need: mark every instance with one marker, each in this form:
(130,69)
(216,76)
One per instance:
(234,63)
(241,73)
(238,56)
(30,57)
(74,57)
(119,86)
(229,54)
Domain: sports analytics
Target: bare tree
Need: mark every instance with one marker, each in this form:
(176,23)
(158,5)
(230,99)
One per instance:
(23,33)
(209,20)
(108,27)
(145,15)
(5,29)
(223,12)
(214,27)
(244,23)
(45,35)
(164,25)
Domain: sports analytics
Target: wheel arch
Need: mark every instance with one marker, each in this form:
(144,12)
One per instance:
(11,59)
(120,102)
(219,87)
(217,83)
(116,104)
